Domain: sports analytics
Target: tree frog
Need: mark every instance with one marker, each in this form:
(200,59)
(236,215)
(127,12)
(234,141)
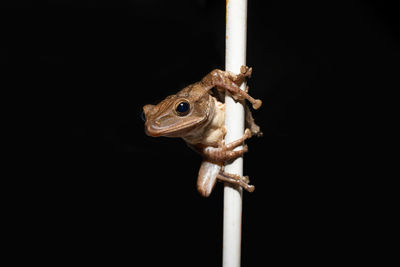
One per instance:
(197,114)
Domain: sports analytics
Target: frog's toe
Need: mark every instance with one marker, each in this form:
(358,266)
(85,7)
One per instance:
(246,70)
(247,133)
(245,149)
(257,104)
(246,179)
(250,188)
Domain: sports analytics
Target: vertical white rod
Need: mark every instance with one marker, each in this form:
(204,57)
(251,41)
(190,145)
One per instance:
(235,57)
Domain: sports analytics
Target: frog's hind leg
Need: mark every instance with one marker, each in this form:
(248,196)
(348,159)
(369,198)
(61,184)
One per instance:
(242,181)
(207,177)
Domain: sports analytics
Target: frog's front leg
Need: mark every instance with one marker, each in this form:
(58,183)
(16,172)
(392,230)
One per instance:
(225,152)
(245,72)
(230,82)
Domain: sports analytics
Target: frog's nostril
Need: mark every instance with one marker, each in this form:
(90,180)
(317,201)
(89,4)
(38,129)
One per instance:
(143,116)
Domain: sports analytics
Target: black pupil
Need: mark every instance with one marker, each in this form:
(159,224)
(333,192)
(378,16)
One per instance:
(182,107)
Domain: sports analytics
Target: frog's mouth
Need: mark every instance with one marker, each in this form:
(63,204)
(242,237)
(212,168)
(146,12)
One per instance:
(178,130)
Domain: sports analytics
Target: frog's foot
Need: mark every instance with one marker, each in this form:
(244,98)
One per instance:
(245,72)
(226,153)
(230,82)
(235,179)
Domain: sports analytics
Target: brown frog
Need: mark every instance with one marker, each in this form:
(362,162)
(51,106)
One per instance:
(197,114)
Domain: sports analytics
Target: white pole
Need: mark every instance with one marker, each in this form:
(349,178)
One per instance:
(235,57)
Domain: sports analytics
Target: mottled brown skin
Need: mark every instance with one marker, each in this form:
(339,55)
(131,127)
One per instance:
(202,126)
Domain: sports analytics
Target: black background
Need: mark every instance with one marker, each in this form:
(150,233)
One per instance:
(100,190)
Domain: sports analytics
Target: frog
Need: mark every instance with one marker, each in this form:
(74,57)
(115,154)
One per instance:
(197,115)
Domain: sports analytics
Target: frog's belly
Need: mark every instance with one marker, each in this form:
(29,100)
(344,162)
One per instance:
(213,138)
(214,132)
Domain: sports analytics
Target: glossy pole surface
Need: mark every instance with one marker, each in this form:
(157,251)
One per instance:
(235,57)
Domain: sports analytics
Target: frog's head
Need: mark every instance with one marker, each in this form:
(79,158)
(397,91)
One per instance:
(179,114)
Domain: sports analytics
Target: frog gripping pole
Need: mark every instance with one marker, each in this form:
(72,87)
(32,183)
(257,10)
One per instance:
(235,57)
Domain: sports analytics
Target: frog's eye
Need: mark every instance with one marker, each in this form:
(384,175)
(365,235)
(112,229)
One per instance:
(182,108)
